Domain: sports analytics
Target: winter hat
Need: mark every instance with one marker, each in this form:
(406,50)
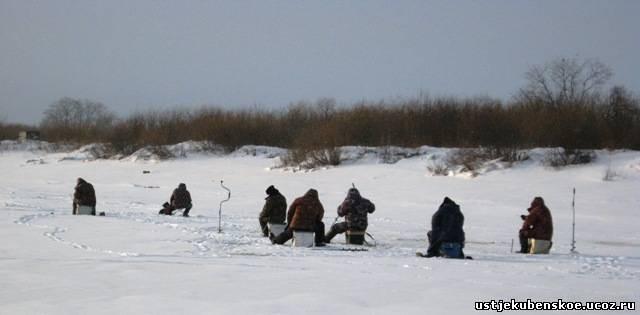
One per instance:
(448,201)
(80,180)
(271,190)
(353,193)
(312,193)
(537,202)
(182,186)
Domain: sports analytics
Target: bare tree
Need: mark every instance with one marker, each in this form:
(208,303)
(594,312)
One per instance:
(620,113)
(74,119)
(326,107)
(565,81)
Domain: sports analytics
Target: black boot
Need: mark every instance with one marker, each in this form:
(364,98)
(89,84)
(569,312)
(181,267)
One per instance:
(524,245)
(332,233)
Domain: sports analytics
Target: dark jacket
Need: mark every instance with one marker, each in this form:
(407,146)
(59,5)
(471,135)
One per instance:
(305,212)
(180,197)
(84,194)
(356,208)
(275,209)
(538,224)
(446,223)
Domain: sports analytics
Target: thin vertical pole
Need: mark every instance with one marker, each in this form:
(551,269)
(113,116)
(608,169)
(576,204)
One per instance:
(220,210)
(573,232)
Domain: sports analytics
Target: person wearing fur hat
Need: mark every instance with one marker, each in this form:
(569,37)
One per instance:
(274,210)
(446,238)
(355,209)
(538,225)
(84,195)
(180,199)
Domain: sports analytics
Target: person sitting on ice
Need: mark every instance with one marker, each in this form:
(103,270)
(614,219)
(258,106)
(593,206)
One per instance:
(180,199)
(524,242)
(274,210)
(305,214)
(537,229)
(446,238)
(84,196)
(355,209)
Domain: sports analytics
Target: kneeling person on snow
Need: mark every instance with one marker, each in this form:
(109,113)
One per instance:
(274,210)
(84,197)
(355,209)
(305,214)
(537,229)
(446,238)
(180,199)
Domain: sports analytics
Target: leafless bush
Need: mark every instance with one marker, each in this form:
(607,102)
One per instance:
(392,154)
(561,157)
(386,156)
(504,154)
(312,158)
(536,118)
(161,152)
(439,169)
(470,159)
(102,151)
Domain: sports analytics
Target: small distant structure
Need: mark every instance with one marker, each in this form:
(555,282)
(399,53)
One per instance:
(28,135)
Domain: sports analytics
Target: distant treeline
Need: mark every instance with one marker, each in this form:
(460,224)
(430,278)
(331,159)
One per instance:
(556,109)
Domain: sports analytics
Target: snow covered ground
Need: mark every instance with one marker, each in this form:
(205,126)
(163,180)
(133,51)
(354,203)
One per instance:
(134,261)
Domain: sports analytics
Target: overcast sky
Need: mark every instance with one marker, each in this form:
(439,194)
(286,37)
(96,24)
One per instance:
(135,55)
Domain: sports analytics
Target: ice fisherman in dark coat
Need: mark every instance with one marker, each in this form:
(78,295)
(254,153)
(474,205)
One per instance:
(274,210)
(446,238)
(84,195)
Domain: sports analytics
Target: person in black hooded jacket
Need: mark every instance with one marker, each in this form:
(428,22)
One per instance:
(446,237)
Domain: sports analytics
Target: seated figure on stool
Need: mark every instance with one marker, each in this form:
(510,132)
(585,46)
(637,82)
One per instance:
(355,209)
(84,198)
(446,238)
(304,215)
(274,211)
(537,229)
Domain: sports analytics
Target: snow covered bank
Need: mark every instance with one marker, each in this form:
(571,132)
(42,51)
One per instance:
(438,161)
(134,261)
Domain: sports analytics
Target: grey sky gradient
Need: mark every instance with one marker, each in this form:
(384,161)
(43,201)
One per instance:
(136,55)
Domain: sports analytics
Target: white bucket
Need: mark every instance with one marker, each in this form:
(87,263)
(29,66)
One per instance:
(303,239)
(275,228)
(539,246)
(84,210)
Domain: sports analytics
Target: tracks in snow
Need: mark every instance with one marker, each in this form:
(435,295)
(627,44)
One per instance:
(55,233)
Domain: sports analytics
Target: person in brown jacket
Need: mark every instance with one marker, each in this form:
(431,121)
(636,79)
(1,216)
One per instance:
(84,195)
(305,214)
(537,225)
(274,210)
